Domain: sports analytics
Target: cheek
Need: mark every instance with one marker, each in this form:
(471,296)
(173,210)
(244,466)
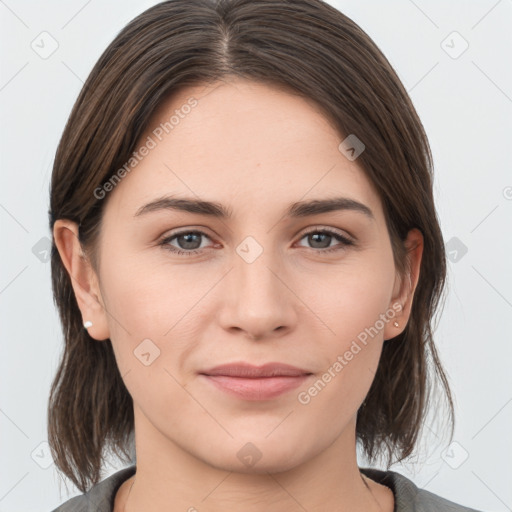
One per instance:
(155,315)
(351,298)
(351,305)
(147,299)
(153,327)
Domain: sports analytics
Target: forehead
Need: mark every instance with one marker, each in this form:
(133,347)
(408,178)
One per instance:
(243,139)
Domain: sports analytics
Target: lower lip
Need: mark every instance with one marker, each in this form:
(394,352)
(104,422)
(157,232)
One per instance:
(264,388)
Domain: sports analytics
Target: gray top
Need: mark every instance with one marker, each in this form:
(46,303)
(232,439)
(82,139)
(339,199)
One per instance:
(408,497)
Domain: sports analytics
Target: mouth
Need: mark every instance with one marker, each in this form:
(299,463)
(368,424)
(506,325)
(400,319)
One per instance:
(250,382)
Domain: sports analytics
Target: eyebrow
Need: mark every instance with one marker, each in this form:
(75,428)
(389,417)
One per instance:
(217,210)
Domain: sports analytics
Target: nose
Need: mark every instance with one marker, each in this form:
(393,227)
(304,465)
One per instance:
(256,299)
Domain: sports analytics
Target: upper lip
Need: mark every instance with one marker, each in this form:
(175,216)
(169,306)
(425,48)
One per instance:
(247,370)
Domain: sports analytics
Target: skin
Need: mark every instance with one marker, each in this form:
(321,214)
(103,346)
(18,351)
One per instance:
(255,149)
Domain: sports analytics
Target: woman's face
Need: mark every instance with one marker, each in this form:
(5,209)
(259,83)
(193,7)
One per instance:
(262,284)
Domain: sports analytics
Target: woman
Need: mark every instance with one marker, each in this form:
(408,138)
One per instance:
(246,261)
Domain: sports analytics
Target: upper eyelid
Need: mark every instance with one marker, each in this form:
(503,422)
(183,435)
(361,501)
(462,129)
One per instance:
(335,231)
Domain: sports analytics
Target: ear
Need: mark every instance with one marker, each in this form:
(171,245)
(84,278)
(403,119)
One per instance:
(404,288)
(84,280)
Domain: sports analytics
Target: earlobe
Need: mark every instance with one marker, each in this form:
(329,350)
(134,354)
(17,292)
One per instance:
(83,278)
(405,287)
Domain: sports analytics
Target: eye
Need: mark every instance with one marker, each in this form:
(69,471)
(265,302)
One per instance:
(324,237)
(189,242)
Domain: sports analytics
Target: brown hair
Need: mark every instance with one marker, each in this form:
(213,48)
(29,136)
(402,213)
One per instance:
(315,51)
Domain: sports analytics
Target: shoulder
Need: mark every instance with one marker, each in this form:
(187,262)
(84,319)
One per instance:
(100,498)
(410,498)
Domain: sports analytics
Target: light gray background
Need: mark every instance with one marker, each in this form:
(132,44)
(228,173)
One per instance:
(465,104)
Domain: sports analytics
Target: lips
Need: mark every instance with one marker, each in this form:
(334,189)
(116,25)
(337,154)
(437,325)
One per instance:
(249,371)
(249,382)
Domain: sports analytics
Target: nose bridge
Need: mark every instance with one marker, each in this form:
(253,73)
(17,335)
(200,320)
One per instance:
(259,302)
(256,282)
(253,271)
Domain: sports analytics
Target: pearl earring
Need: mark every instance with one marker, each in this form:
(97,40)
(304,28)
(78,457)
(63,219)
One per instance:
(395,323)
(87,324)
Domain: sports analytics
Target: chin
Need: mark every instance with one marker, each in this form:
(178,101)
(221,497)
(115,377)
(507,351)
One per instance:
(274,464)
(259,456)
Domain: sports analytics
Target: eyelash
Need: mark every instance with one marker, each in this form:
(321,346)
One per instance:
(344,241)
